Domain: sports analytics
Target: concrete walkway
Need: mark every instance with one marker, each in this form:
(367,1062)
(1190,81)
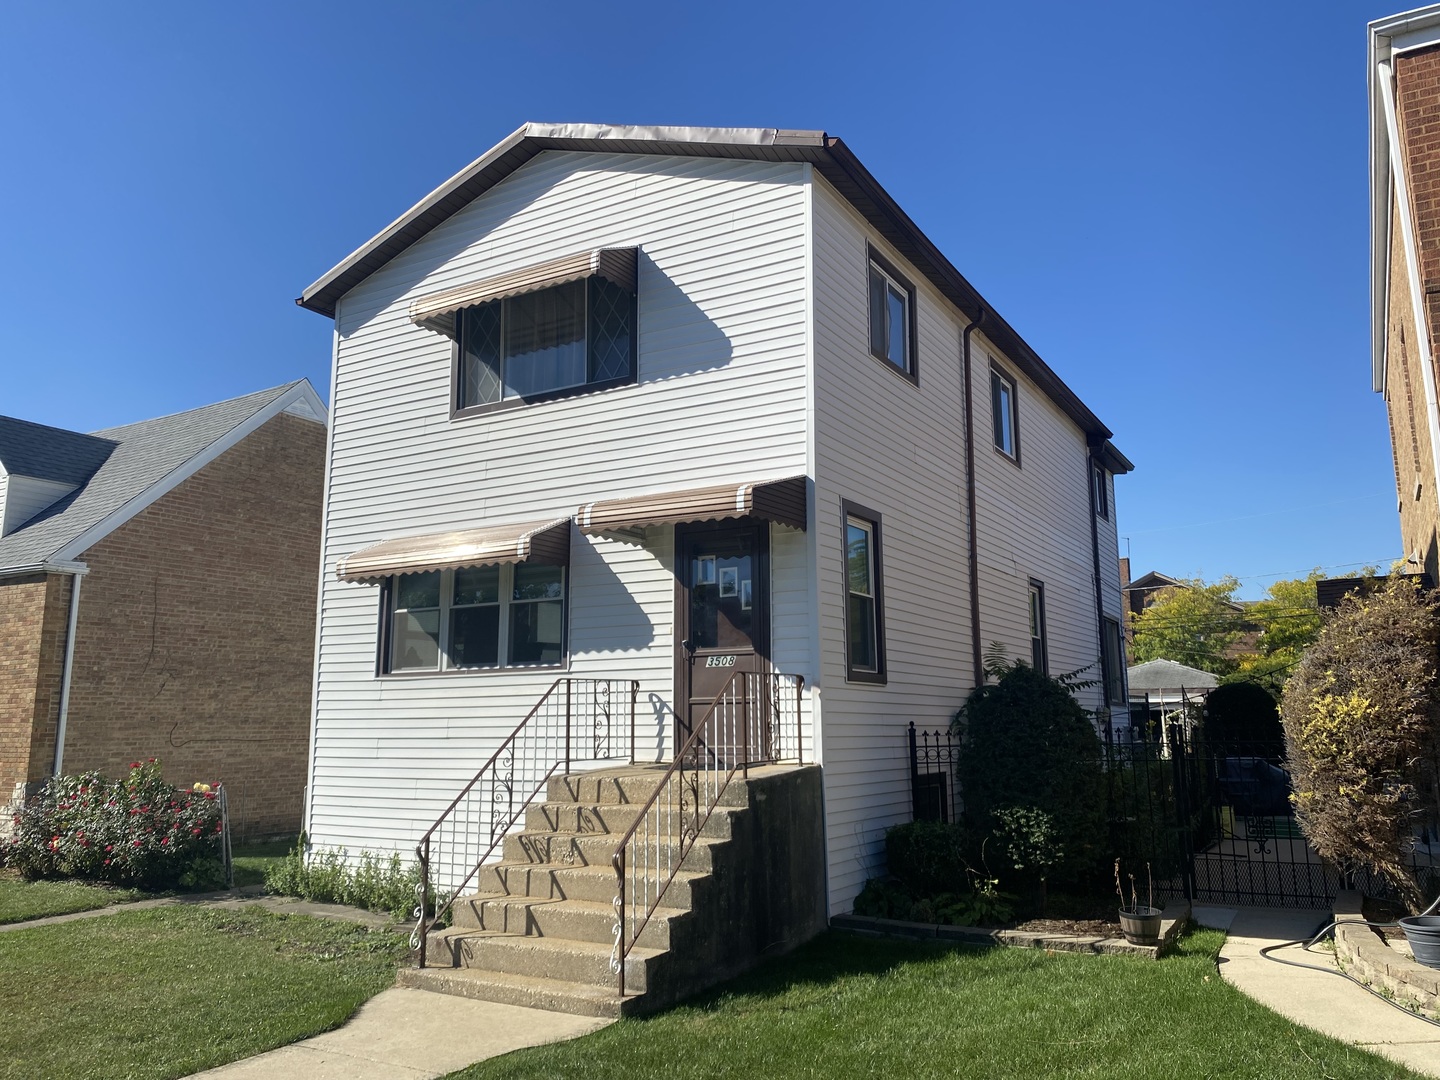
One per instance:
(403,1034)
(1316,999)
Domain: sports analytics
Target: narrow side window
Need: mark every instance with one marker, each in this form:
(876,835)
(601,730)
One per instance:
(864,613)
(892,317)
(1004,414)
(1039,657)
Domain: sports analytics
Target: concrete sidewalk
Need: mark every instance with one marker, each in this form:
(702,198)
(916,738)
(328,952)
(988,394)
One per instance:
(403,1034)
(1317,999)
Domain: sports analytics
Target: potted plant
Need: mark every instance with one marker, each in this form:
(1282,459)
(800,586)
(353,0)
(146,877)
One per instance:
(1140,923)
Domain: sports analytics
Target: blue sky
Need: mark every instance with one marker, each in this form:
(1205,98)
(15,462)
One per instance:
(1167,201)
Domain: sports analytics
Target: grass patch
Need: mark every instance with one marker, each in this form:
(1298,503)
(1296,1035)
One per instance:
(851,1006)
(162,993)
(21,900)
(251,861)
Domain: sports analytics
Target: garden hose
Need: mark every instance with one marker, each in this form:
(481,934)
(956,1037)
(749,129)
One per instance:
(1306,945)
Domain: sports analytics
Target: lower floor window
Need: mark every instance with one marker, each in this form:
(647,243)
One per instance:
(1039,653)
(476,617)
(1114,663)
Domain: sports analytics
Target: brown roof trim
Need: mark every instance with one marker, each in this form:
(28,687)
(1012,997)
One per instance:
(830,156)
(781,501)
(546,542)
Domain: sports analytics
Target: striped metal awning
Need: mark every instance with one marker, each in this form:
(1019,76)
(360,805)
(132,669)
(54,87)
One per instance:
(781,501)
(437,311)
(546,542)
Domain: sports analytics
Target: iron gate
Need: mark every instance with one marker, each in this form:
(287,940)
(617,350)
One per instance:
(1214,821)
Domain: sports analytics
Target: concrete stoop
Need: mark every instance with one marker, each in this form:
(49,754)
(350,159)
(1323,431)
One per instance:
(540,929)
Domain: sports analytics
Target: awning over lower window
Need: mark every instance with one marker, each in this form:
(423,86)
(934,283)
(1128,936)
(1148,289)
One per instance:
(437,311)
(546,542)
(782,501)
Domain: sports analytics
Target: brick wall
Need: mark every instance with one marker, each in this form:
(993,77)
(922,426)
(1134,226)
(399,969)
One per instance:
(196,634)
(1417,102)
(33,614)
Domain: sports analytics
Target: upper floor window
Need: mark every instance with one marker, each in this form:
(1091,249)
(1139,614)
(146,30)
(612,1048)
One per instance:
(475,617)
(567,338)
(1100,480)
(1039,651)
(892,316)
(1005,414)
(864,617)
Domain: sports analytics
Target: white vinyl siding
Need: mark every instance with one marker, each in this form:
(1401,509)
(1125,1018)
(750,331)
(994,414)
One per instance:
(882,444)
(897,450)
(720,395)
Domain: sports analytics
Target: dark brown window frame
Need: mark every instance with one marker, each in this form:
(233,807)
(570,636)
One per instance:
(912,335)
(848,510)
(1100,478)
(386,630)
(457,412)
(1037,588)
(1114,665)
(998,372)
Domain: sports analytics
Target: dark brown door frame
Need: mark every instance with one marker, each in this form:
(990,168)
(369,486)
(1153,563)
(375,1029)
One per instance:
(760,593)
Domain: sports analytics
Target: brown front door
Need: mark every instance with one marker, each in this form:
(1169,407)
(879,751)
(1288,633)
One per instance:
(722,607)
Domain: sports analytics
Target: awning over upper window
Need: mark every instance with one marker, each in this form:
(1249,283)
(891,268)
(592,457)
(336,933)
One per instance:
(437,311)
(546,542)
(782,501)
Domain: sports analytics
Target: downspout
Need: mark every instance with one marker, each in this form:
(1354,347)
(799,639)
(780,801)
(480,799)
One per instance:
(1090,464)
(66,670)
(1417,302)
(971,529)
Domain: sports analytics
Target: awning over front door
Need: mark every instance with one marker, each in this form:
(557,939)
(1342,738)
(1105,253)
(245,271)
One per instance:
(781,501)
(546,542)
(437,311)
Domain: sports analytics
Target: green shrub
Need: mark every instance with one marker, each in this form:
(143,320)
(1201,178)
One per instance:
(927,857)
(1243,718)
(375,882)
(1029,746)
(1362,731)
(136,831)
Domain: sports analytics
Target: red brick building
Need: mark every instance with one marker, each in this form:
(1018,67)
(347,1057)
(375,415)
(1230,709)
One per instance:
(157,599)
(1404,80)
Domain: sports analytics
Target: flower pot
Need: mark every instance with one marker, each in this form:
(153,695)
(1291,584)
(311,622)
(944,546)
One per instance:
(1141,925)
(1423,933)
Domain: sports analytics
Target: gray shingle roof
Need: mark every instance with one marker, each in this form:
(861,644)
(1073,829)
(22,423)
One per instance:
(1168,675)
(50,453)
(143,454)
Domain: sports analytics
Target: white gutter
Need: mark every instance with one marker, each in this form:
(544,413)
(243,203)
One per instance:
(1407,233)
(45,567)
(65,673)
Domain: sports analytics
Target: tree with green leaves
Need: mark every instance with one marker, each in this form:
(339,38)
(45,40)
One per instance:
(1196,624)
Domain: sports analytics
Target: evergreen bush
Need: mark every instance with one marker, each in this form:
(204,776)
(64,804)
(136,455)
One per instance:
(1031,773)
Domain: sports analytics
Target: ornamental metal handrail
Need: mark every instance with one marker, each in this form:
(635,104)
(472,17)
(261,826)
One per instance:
(574,720)
(754,720)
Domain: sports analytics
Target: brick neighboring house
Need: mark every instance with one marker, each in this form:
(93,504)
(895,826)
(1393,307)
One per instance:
(183,552)
(1141,593)
(1404,88)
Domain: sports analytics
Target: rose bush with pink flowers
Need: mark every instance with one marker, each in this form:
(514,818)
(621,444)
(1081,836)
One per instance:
(133,831)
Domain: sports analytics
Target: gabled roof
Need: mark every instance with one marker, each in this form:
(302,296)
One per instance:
(145,461)
(50,453)
(1156,580)
(831,158)
(1168,675)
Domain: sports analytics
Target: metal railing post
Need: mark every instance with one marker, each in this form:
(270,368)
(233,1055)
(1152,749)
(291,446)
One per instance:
(619,863)
(422,929)
(745,728)
(567,725)
(634,694)
(799,727)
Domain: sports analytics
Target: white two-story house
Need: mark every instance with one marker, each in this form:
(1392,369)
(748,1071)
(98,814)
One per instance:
(659,404)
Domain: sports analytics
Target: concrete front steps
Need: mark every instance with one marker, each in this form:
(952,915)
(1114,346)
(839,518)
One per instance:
(539,930)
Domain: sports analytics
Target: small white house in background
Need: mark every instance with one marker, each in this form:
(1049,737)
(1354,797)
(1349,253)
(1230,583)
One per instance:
(693,397)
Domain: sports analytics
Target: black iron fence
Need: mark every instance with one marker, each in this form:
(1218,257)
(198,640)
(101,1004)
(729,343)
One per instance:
(1214,820)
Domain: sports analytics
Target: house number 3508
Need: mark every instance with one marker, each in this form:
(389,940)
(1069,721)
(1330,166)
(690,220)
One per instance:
(720,661)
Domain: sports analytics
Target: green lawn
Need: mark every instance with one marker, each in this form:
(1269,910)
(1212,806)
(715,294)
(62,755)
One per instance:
(846,1006)
(21,900)
(252,860)
(165,992)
